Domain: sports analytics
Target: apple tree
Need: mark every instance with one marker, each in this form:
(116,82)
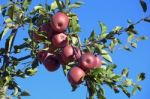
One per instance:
(53,41)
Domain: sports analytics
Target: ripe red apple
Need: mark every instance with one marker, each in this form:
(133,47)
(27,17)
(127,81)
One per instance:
(98,61)
(87,61)
(50,48)
(75,75)
(70,53)
(59,40)
(42,55)
(47,28)
(43,28)
(36,37)
(60,22)
(51,63)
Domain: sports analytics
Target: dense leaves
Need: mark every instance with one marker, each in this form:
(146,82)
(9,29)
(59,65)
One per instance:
(104,43)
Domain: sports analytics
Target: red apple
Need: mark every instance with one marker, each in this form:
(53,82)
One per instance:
(51,63)
(98,61)
(70,53)
(37,37)
(60,22)
(50,48)
(87,61)
(75,75)
(47,28)
(59,40)
(42,55)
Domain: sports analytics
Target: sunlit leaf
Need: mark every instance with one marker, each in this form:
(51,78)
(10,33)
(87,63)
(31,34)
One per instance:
(3,33)
(16,92)
(103,27)
(106,56)
(93,35)
(11,10)
(134,45)
(125,72)
(54,5)
(26,4)
(127,82)
(134,90)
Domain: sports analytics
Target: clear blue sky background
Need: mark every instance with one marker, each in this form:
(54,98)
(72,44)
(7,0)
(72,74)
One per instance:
(46,85)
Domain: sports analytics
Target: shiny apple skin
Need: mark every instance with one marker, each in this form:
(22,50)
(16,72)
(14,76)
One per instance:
(75,75)
(87,61)
(59,40)
(51,63)
(59,22)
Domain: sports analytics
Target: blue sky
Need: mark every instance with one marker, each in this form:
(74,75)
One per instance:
(54,85)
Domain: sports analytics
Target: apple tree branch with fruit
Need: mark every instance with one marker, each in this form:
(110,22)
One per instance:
(54,42)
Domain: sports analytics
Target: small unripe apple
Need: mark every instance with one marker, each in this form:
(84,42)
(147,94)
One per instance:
(87,61)
(60,22)
(75,75)
(98,61)
(51,63)
(70,53)
(59,40)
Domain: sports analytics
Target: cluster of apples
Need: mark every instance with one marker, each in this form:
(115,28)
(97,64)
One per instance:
(56,32)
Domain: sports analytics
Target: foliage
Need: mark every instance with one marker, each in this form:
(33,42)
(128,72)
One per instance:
(16,14)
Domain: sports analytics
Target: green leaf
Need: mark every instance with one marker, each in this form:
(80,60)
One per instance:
(139,87)
(116,78)
(3,33)
(10,40)
(142,38)
(103,27)
(102,35)
(25,93)
(59,4)
(141,77)
(125,90)
(127,82)
(144,5)
(74,40)
(127,48)
(134,90)
(16,92)
(125,72)
(26,4)
(130,37)
(54,5)
(117,29)
(106,56)
(73,6)
(67,2)
(75,25)
(92,36)
(31,71)
(0,9)
(8,20)
(147,19)
(11,10)
(100,93)
(38,8)
(134,45)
